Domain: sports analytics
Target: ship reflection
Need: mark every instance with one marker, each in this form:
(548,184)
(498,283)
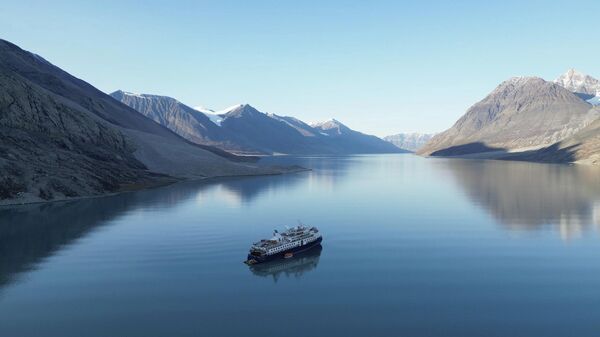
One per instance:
(292,267)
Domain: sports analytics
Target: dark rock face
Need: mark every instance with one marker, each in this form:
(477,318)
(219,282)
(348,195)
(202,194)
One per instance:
(63,138)
(49,149)
(521,113)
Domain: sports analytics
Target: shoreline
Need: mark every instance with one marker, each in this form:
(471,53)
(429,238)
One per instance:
(517,157)
(150,186)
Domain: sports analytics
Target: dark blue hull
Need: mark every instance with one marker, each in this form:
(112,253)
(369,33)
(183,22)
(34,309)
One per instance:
(281,255)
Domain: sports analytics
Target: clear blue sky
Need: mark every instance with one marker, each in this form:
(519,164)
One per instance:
(381,67)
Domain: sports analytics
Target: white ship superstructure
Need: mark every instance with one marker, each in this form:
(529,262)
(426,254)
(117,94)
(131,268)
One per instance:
(293,240)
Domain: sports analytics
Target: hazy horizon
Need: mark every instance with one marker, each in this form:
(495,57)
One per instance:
(380,69)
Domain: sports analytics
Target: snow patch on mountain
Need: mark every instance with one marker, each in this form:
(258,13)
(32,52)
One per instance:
(204,110)
(581,84)
(211,114)
(594,100)
(129,93)
(231,108)
(217,117)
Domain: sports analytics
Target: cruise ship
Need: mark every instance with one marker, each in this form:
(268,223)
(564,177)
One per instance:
(295,267)
(284,245)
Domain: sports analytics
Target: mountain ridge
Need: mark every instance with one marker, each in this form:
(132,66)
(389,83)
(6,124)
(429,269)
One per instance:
(522,112)
(187,122)
(268,133)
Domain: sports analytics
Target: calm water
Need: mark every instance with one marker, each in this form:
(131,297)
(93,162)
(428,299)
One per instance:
(412,247)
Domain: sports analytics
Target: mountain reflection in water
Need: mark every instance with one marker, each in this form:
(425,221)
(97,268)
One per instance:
(530,196)
(31,233)
(292,267)
(424,239)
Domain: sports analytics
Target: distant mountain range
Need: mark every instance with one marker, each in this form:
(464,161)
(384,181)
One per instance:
(528,118)
(409,141)
(62,138)
(243,129)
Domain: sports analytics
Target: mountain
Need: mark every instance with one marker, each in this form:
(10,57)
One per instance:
(346,139)
(581,147)
(409,141)
(171,113)
(189,123)
(288,135)
(521,113)
(581,84)
(264,133)
(243,129)
(62,138)
(304,129)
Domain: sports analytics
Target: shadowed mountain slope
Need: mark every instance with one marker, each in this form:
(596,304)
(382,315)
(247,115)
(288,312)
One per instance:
(63,138)
(582,147)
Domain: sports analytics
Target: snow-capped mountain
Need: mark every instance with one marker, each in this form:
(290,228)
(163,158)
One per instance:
(522,112)
(583,85)
(331,127)
(243,129)
(200,126)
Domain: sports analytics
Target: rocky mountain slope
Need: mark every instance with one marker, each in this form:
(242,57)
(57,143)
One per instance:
(63,138)
(189,123)
(244,129)
(582,147)
(521,113)
(409,141)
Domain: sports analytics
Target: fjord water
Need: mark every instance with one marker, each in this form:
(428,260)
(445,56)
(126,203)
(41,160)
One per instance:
(412,246)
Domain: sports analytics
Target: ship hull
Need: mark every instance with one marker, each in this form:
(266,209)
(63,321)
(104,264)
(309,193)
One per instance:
(281,255)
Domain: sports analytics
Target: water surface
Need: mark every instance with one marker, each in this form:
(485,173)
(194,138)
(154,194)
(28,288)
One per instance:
(412,246)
